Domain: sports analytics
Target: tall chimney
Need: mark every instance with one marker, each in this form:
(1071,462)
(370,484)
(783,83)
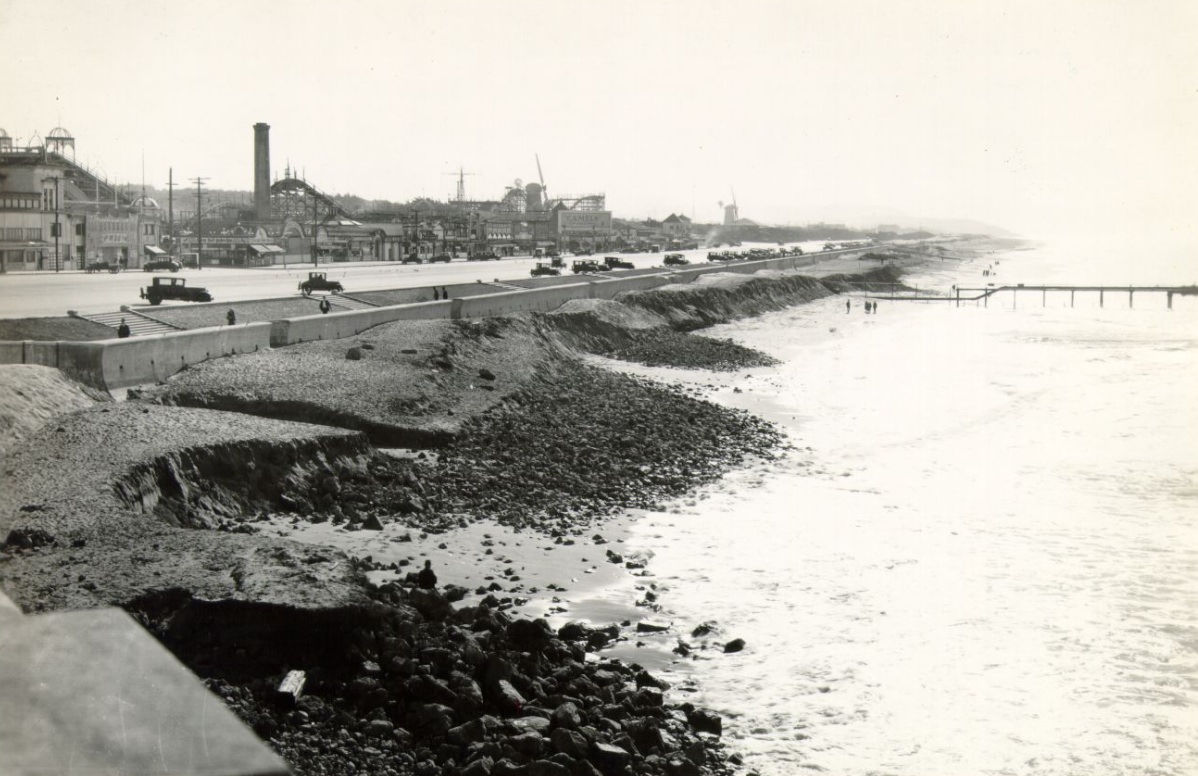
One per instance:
(262,171)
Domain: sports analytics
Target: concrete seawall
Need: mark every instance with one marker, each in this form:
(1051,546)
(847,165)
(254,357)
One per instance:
(121,363)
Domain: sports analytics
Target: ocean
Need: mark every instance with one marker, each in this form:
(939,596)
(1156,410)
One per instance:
(980,556)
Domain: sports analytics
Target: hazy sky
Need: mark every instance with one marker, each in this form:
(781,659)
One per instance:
(1039,116)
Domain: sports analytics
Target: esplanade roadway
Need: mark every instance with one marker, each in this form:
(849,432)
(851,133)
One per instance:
(51,294)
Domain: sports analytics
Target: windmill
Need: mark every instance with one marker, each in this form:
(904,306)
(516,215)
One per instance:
(461,182)
(544,189)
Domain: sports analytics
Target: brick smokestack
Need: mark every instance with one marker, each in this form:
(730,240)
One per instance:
(262,171)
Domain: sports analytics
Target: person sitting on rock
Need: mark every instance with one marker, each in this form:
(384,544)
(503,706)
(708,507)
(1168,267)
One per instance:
(122,331)
(427,578)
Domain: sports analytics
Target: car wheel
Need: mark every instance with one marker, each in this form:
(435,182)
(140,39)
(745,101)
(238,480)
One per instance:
(155,300)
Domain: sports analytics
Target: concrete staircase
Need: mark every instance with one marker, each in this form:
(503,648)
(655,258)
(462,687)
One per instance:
(140,325)
(341,302)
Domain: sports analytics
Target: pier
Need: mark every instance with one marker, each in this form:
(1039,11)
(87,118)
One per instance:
(961,294)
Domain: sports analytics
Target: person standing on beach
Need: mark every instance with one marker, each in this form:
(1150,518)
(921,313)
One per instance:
(427,578)
(848,305)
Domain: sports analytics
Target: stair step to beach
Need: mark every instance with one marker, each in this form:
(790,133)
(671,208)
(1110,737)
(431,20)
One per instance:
(139,325)
(343,302)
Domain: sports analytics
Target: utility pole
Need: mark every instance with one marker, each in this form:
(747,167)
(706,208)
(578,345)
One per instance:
(199,182)
(315,253)
(170,208)
(57,229)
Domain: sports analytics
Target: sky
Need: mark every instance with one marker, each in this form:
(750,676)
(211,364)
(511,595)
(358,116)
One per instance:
(1042,117)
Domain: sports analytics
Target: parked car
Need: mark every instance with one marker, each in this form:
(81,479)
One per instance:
(544,269)
(586,265)
(412,258)
(103,266)
(159,264)
(318,281)
(443,257)
(615,262)
(675,260)
(174,288)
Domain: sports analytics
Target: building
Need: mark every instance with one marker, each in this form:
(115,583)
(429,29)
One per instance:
(55,214)
(676,227)
(591,229)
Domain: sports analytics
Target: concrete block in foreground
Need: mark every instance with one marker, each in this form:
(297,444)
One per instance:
(91,692)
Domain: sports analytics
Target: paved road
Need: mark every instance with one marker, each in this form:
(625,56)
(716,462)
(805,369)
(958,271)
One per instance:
(40,294)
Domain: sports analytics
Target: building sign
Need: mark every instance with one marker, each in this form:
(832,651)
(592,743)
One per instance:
(583,221)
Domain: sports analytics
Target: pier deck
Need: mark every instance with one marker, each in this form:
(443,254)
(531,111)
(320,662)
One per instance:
(962,294)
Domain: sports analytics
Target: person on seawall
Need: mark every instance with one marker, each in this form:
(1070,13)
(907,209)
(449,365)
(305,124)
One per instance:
(444,292)
(325,306)
(231,317)
(427,578)
(122,331)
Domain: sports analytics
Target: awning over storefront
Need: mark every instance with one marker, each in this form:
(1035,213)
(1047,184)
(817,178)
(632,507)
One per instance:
(265,249)
(154,250)
(25,244)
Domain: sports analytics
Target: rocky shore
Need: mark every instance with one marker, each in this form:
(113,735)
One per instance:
(159,504)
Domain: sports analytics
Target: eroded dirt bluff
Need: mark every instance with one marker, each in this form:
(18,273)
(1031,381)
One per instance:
(406,384)
(111,502)
(720,298)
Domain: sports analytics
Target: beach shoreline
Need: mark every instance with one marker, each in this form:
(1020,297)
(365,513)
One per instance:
(504,566)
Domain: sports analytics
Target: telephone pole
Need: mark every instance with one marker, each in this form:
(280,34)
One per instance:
(199,182)
(170,208)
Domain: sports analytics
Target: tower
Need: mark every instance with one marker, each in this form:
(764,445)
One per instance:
(262,171)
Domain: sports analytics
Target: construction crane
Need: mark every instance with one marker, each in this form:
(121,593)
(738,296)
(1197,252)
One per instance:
(461,174)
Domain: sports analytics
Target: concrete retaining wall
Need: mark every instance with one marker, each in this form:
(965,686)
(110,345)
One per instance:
(508,302)
(140,360)
(309,328)
(120,363)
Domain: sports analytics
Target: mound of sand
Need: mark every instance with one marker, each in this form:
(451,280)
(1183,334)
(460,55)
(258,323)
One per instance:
(30,396)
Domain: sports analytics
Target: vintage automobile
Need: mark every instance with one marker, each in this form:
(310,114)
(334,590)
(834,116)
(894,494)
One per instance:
(318,281)
(482,256)
(586,265)
(443,257)
(545,269)
(157,264)
(615,262)
(675,260)
(174,288)
(103,266)
(411,258)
